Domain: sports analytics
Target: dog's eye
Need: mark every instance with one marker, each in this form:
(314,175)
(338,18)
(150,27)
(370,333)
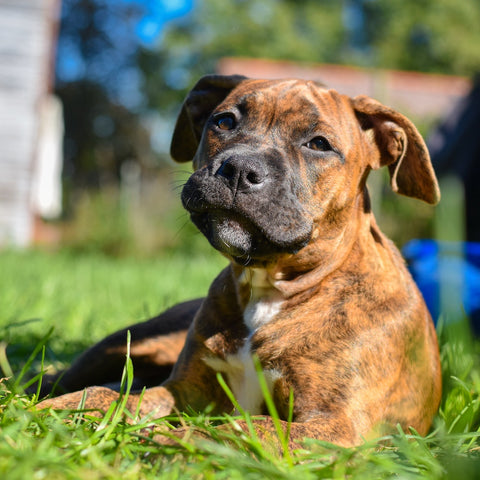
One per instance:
(225,122)
(319,144)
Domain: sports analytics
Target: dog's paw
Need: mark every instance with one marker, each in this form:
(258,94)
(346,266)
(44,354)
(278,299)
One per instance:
(92,398)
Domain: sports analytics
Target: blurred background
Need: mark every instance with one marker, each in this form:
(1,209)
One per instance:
(89,92)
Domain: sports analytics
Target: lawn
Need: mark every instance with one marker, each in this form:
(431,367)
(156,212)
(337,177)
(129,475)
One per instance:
(85,296)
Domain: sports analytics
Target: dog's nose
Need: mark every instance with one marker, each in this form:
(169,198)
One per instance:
(242,174)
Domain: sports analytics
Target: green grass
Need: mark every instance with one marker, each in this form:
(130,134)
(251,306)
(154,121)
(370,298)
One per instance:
(87,296)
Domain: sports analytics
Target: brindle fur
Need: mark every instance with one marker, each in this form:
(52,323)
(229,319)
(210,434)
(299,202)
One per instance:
(352,337)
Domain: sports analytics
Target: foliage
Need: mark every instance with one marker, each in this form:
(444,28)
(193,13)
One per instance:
(88,296)
(100,137)
(308,31)
(97,79)
(430,36)
(411,35)
(98,46)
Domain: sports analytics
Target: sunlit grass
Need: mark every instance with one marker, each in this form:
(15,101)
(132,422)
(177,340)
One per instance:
(85,297)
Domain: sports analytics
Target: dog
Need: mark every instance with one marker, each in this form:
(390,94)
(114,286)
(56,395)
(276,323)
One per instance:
(314,291)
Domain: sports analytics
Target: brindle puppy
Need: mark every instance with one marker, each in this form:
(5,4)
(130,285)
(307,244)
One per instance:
(314,289)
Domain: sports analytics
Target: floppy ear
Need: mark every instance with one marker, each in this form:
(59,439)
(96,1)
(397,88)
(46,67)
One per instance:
(400,146)
(209,91)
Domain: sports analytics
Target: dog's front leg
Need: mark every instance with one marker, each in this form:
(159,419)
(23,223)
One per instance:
(156,401)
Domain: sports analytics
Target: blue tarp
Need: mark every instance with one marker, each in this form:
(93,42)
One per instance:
(448,275)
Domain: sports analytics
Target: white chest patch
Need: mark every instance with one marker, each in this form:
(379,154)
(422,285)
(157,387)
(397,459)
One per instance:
(259,312)
(239,368)
(242,378)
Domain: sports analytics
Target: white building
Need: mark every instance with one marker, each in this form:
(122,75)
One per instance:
(30,119)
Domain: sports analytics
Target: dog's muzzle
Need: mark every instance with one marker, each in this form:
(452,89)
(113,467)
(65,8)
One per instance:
(245,207)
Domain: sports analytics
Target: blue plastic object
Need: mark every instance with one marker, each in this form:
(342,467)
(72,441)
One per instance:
(448,275)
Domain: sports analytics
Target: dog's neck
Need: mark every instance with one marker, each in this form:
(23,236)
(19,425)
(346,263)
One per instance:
(260,300)
(258,280)
(265,300)
(257,284)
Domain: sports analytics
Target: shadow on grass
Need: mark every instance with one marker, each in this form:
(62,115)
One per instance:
(20,344)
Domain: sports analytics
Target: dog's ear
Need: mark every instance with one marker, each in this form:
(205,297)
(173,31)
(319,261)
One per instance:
(209,91)
(400,146)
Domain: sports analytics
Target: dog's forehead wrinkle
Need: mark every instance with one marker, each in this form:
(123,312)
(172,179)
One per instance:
(289,100)
(333,105)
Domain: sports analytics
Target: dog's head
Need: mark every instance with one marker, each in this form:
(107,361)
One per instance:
(281,162)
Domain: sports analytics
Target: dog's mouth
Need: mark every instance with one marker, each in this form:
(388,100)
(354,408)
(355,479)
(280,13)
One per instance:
(252,226)
(240,239)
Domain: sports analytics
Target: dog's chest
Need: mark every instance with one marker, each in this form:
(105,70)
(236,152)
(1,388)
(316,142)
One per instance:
(239,368)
